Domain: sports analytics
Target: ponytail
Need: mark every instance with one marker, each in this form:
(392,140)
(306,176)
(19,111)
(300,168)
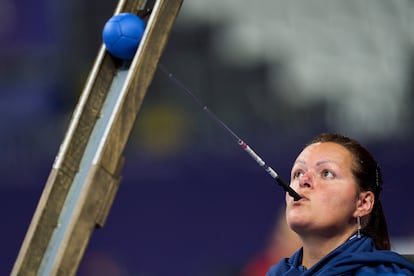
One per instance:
(377,227)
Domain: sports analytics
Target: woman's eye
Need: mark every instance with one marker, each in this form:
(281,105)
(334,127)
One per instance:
(297,174)
(327,174)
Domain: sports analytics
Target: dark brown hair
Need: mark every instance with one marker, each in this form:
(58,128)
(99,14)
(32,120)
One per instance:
(368,177)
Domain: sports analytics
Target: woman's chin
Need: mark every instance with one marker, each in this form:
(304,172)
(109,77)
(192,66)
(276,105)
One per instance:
(298,222)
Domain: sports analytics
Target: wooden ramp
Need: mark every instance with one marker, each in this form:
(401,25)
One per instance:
(87,170)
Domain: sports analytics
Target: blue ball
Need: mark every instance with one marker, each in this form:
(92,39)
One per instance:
(122,34)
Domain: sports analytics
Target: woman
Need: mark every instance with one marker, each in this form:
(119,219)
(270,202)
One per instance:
(339,218)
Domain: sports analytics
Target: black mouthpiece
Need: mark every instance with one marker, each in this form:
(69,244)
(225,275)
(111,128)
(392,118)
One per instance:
(288,189)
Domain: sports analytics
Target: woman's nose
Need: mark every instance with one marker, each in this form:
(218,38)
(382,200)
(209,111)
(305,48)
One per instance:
(305,180)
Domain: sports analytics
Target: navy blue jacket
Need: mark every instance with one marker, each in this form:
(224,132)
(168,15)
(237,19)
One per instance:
(357,256)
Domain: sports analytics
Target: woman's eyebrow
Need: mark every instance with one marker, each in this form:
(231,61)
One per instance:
(321,162)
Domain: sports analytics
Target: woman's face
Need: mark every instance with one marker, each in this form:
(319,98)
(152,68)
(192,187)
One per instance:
(322,176)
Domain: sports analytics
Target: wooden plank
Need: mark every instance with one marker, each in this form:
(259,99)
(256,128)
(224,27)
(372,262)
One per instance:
(86,173)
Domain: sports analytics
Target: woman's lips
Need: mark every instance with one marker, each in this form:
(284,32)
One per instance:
(302,199)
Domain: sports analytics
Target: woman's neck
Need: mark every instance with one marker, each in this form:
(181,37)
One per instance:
(317,247)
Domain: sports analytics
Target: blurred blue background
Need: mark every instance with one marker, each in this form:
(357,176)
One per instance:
(191,202)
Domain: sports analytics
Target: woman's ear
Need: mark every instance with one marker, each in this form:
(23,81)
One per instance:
(365,203)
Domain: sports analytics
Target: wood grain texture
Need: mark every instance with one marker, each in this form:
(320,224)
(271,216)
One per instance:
(102,178)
